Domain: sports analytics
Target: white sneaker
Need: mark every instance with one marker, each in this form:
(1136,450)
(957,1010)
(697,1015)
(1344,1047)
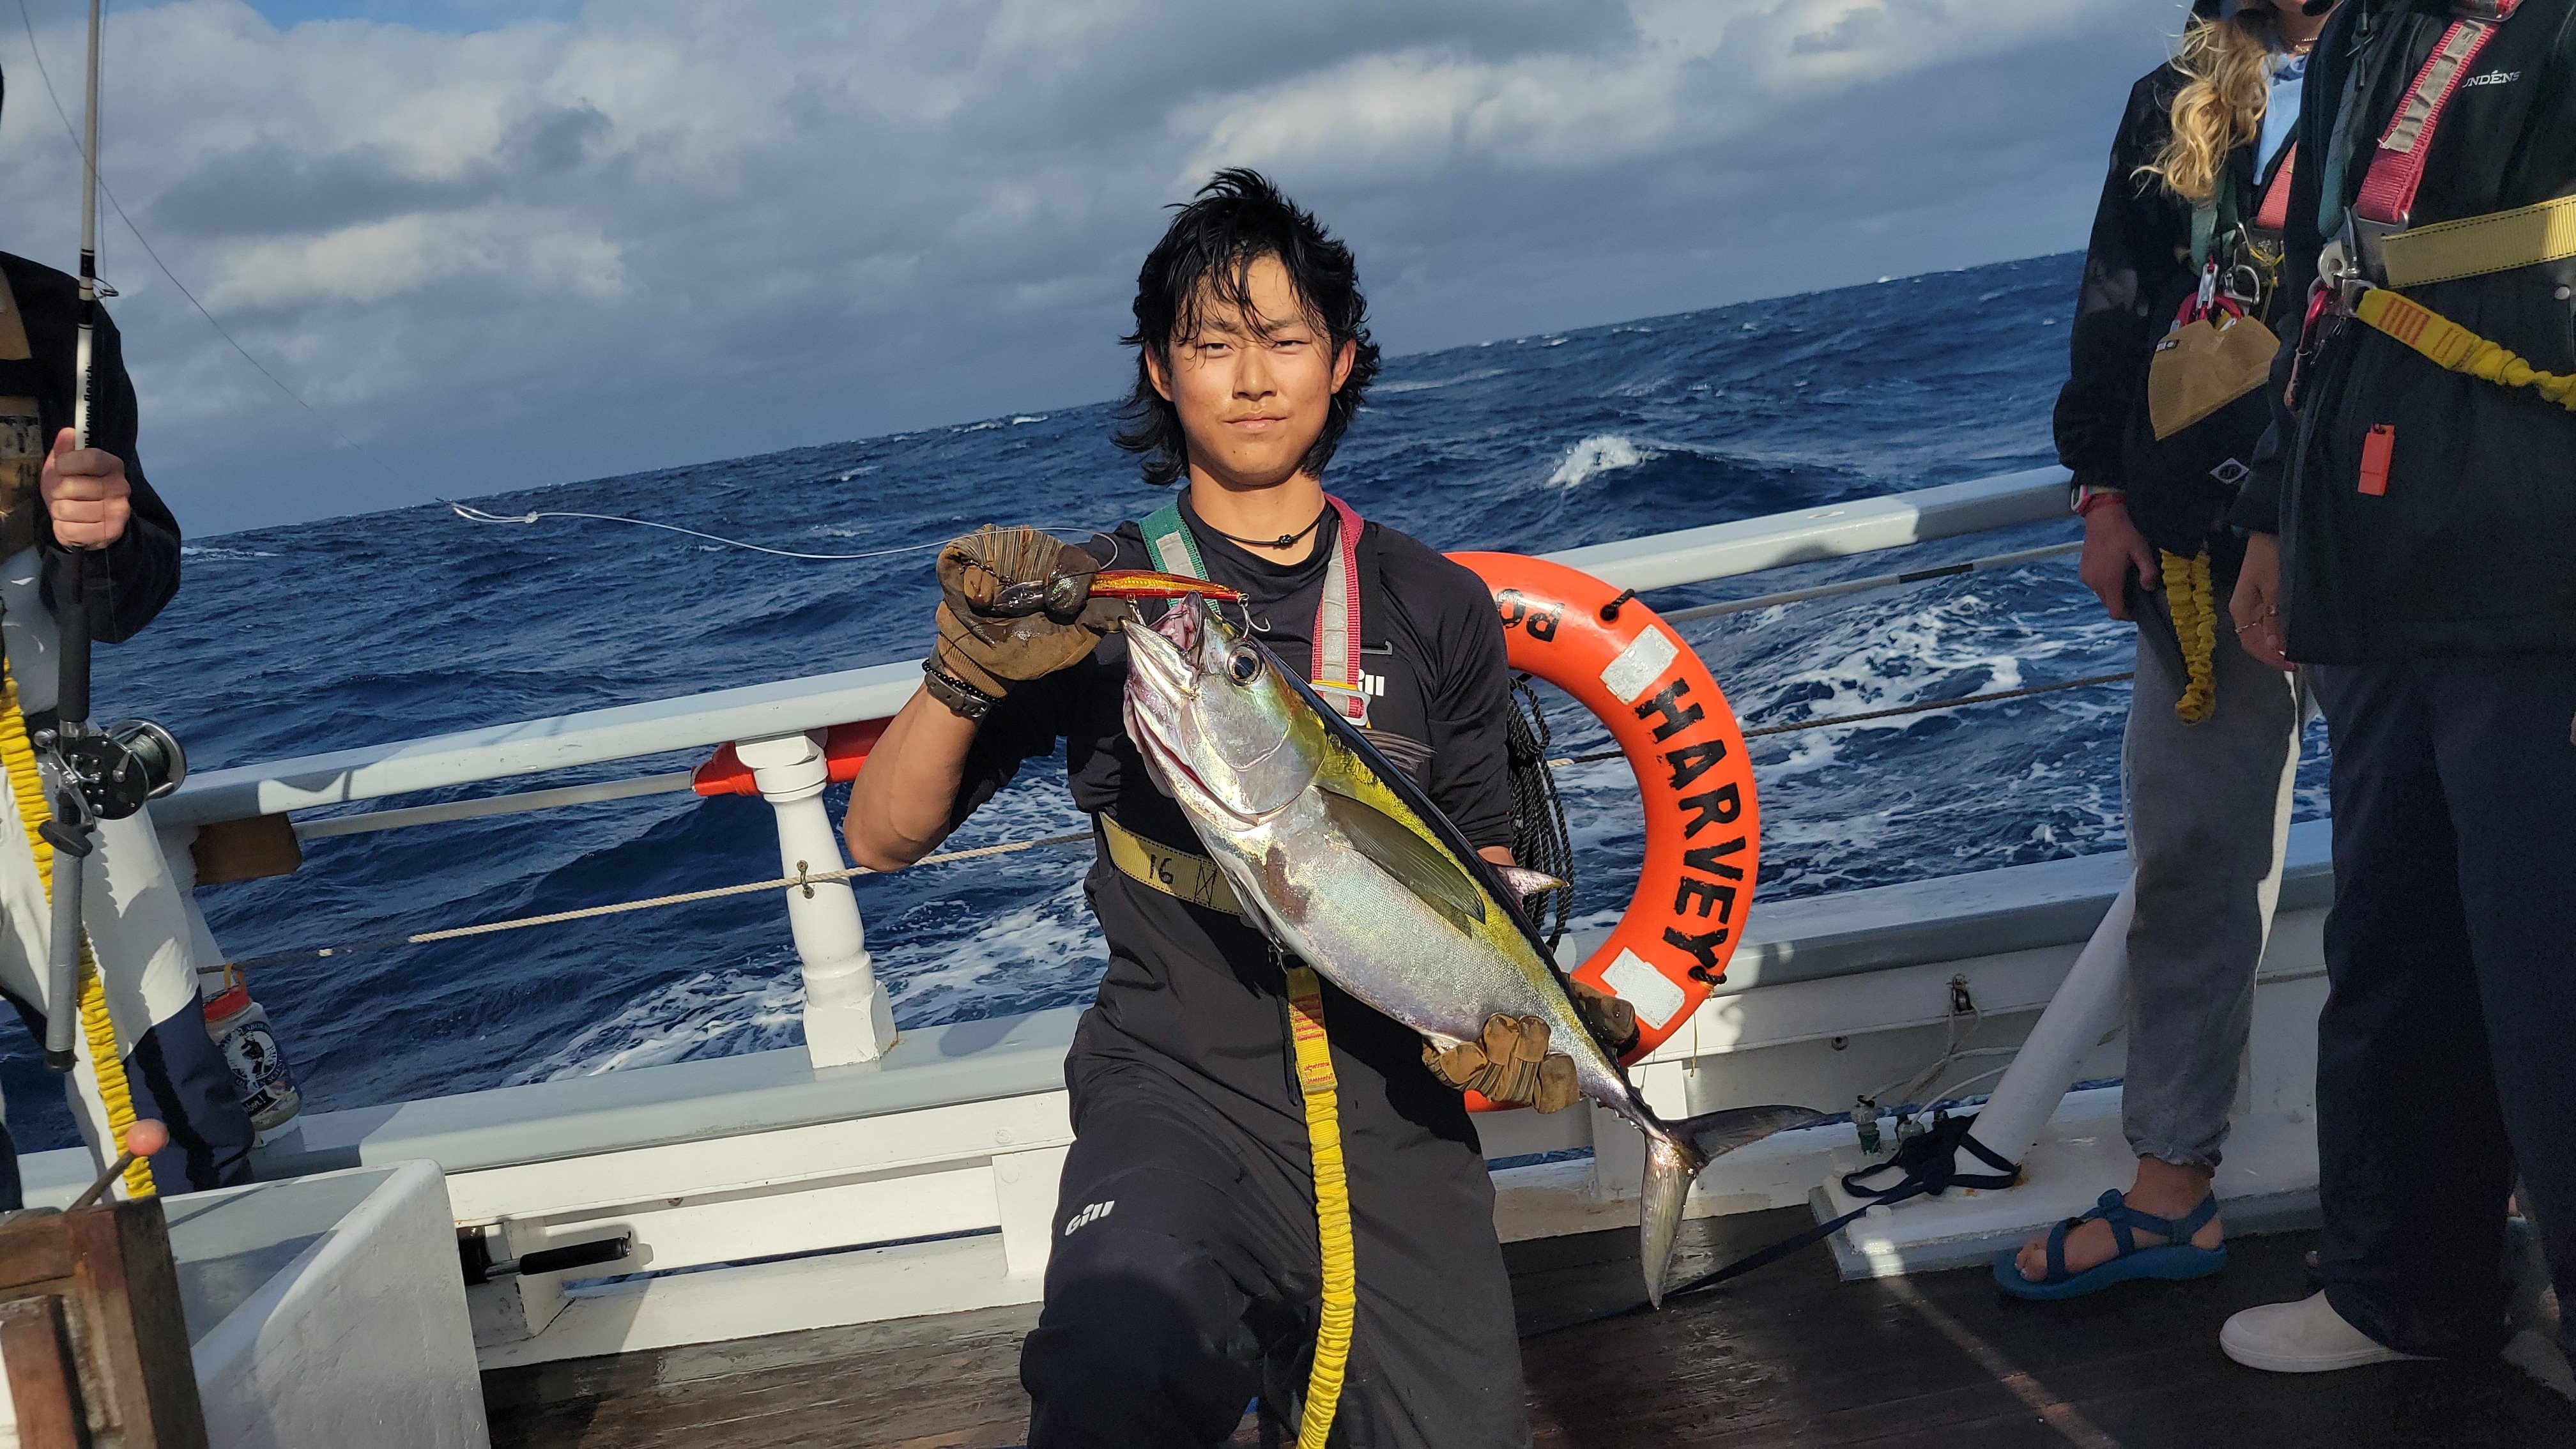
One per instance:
(2306,1337)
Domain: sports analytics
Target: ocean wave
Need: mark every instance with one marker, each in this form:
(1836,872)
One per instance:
(1382,389)
(709,1014)
(1598,454)
(218,553)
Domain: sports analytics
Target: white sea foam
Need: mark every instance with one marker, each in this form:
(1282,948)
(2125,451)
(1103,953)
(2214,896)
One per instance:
(219,552)
(1600,453)
(710,1014)
(1426,384)
(1051,940)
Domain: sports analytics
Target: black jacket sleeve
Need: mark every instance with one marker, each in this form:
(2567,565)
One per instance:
(2136,256)
(2258,499)
(143,566)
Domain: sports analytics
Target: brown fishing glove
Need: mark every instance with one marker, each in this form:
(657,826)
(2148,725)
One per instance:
(1015,604)
(1613,1021)
(1511,1063)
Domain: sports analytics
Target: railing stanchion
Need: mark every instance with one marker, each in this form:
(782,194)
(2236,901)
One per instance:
(847,1016)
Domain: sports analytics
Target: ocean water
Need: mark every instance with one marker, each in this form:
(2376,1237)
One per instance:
(387,626)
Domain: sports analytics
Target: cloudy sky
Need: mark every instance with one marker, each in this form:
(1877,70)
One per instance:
(504,244)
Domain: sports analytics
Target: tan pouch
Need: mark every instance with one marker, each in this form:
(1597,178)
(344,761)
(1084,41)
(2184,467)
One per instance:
(22,466)
(2203,367)
(23,444)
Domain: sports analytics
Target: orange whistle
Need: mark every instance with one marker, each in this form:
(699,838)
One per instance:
(2376,447)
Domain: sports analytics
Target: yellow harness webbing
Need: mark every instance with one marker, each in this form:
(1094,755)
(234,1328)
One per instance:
(106,1063)
(2189,597)
(2449,345)
(1184,875)
(2474,246)
(1188,876)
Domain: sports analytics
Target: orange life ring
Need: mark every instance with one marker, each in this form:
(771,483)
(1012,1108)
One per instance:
(1703,827)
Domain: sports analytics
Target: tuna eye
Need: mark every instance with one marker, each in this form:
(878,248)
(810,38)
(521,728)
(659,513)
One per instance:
(1243,666)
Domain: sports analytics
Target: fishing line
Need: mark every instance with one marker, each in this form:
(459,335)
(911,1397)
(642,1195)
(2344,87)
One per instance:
(145,242)
(477,515)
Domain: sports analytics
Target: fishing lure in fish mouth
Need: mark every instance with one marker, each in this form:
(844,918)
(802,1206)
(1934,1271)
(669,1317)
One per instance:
(1147,584)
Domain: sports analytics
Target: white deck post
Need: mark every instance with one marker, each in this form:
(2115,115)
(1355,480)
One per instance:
(2080,1017)
(847,1016)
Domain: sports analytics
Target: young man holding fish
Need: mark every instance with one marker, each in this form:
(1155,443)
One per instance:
(1186,1271)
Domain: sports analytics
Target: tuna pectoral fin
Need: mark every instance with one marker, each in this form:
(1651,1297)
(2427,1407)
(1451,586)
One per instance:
(1419,865)
(1674,1163)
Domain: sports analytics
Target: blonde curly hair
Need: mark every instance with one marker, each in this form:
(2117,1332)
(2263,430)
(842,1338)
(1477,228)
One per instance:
(2226,87)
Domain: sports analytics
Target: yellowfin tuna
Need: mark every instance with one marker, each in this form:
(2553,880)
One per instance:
(1347,865)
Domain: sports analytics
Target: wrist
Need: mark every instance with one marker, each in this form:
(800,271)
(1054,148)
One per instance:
(2090,498)
(961,698)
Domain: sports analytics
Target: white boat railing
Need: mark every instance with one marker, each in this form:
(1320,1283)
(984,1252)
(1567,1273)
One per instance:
(792,706)
(776,730)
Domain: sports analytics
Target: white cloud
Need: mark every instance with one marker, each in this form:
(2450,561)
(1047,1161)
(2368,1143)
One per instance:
(511,256)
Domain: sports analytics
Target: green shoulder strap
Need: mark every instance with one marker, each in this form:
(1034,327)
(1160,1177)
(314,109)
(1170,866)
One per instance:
(1168,542)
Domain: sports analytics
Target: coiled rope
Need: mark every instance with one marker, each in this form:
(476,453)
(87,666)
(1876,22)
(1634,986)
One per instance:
(106,1063)
(1540,841)
(2192,600)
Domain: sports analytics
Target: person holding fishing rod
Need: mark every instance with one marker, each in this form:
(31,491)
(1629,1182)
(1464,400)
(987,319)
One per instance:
(2161,413)
(64,503)
(1186,1276)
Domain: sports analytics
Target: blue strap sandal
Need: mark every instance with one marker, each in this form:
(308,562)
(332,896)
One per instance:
(2175,1258)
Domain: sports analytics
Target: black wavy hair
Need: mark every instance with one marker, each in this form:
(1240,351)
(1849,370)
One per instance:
(1205,259)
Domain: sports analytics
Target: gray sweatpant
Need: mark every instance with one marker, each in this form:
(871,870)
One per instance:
(2209,817)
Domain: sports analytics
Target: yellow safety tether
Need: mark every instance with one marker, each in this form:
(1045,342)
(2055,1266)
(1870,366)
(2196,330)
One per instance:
(2449,345)
(1332,1206)
(106,1063)
(2192,600)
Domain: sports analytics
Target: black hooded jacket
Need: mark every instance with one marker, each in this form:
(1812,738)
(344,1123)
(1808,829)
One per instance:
(2137,273)
(2471,550)
(143,565)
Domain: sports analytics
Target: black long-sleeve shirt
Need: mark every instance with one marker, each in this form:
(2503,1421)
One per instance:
(2471,548)
(143,565)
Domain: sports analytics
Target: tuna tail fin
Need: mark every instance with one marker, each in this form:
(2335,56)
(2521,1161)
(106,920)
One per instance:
(1677,1156)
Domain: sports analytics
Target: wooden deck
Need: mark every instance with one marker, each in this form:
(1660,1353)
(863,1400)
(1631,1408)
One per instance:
(1786,1356)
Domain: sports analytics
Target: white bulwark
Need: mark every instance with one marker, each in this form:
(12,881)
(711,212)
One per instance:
(869,1176)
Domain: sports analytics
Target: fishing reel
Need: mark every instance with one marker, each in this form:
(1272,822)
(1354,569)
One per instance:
(105,774)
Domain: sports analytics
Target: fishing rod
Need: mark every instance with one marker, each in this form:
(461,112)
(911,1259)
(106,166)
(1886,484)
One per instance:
(71,830)
(95,774)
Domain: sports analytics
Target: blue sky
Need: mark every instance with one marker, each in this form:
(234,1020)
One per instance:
(506,245)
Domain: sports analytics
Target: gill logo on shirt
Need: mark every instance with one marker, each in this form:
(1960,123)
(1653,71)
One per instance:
(1373,685)
(1091,1214)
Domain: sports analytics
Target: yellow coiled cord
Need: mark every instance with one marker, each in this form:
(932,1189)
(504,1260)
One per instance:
(106,1063)
(2189,595)
(1332,1207)
(2449,345)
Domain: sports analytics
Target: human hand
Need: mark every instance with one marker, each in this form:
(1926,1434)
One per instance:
(1015,604)
(1510,1063)
(2113,550)
(2256,604)
(85,494)
(1613,1021)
